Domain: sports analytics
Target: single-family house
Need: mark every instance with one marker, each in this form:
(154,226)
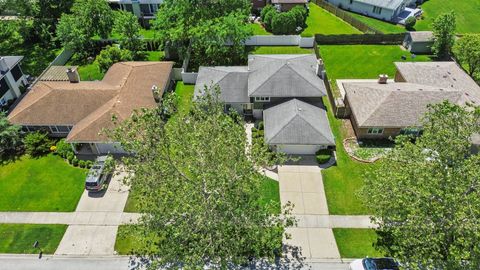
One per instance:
(81,110)
(419,42)
(274,85)
(12,79)
(144,9)
(386,10)
(286,5)
(257,5)
(386,109)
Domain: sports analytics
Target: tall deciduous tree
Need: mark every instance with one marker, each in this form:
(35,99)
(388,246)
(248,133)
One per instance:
(127,26)
(467,51)
(444,27)
(199,189)
(184,22)
(88,19)
(425,195)
(10,38)
(9,137)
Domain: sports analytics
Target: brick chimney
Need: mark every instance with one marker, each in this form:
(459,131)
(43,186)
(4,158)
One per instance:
(382,79)
(73,75)
(3,65)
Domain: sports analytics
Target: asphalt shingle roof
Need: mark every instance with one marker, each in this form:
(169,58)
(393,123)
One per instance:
(233,82)
(297,122)
(421,36)
(284,76)
(395,104)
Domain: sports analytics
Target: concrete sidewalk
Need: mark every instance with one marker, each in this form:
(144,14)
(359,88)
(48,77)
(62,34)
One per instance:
(70,218)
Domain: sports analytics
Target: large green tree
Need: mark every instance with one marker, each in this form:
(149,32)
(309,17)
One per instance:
(127,26)
(425,194)
(10,38)
(10,138)
(467,52)
(206,25)
(444,27)
(199,189)
(88,18)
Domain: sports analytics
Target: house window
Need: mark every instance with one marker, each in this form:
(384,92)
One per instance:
(3,87)
(17,72)
(410,131)
(145,8)
(262,99)
(3,101)
(351,2)
(377,10)
(375,131)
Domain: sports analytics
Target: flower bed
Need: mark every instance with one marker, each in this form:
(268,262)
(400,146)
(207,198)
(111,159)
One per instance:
(367,151)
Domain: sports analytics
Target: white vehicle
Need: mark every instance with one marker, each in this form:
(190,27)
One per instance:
(374,264)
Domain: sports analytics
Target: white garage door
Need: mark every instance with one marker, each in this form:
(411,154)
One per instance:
(295,149)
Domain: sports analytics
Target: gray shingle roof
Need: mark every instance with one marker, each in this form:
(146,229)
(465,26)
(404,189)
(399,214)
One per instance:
(421,36)
(447,75)
(11,61)
(395,104)
(388,4)
(297,122)
(284,76)
(57,73)
(232,81)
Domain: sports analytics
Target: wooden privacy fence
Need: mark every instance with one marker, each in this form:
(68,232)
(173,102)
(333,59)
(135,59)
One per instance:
(344,15)
(150,44)
(392,39)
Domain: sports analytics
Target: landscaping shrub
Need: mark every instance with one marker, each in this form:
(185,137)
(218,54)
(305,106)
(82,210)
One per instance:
(75,162)
(260,125)
(410,23)
(70,157)
(284,23)
(88,164)
(323,155)
(81,163)
(112,55)
(64,148)
(37,144)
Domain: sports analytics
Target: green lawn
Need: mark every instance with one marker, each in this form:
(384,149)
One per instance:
(258,30)
(385,27)
(270,192)
(129,241)
(281,50)
(90,72)
(467,13)
(356,243)
(19,238)
(320,21)
(363,61)
(44,184)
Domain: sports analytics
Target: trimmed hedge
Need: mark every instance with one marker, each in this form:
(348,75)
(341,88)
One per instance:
(284,23)
(323,155)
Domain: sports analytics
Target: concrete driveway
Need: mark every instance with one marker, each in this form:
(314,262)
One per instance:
(103,208)
(303,186)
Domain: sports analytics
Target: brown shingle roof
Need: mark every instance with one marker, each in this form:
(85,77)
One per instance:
(89,106)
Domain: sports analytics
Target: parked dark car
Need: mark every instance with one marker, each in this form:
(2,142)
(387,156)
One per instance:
(96,177)
(374,264)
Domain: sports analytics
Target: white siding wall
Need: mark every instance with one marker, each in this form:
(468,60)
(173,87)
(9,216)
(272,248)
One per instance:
(364,9)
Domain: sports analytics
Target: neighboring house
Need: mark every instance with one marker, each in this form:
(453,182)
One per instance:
(286,5)
(419,42)
(12,79)
(386,10)
(144,9)
(258,4)
(386,109)
(273,83)
(80,111)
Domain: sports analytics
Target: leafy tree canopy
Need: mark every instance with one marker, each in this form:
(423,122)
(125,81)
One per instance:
(182,22)
(199,188)
(126,24)
(467,52)
(10,37)
(10,138)
(425,194)
(444,34)
(112,55)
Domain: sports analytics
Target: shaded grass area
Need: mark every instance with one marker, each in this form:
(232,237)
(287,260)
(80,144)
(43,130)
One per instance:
(385,27)
(36,57)
(280,50)
(259,30)
(19,238)
(40,184)
(466,11)
(270,193)
(343,181)
(320,21)
(130,240)
(356,243)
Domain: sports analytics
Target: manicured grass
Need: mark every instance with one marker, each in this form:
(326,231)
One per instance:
(363,61)
(90,72)
(259,30)
(129,240)
(320,21)
(356,243)
(385,27)
(155,56)
(19,238)
(343,181)
(44,184)
(281,50)
(466,11)
(270,192)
